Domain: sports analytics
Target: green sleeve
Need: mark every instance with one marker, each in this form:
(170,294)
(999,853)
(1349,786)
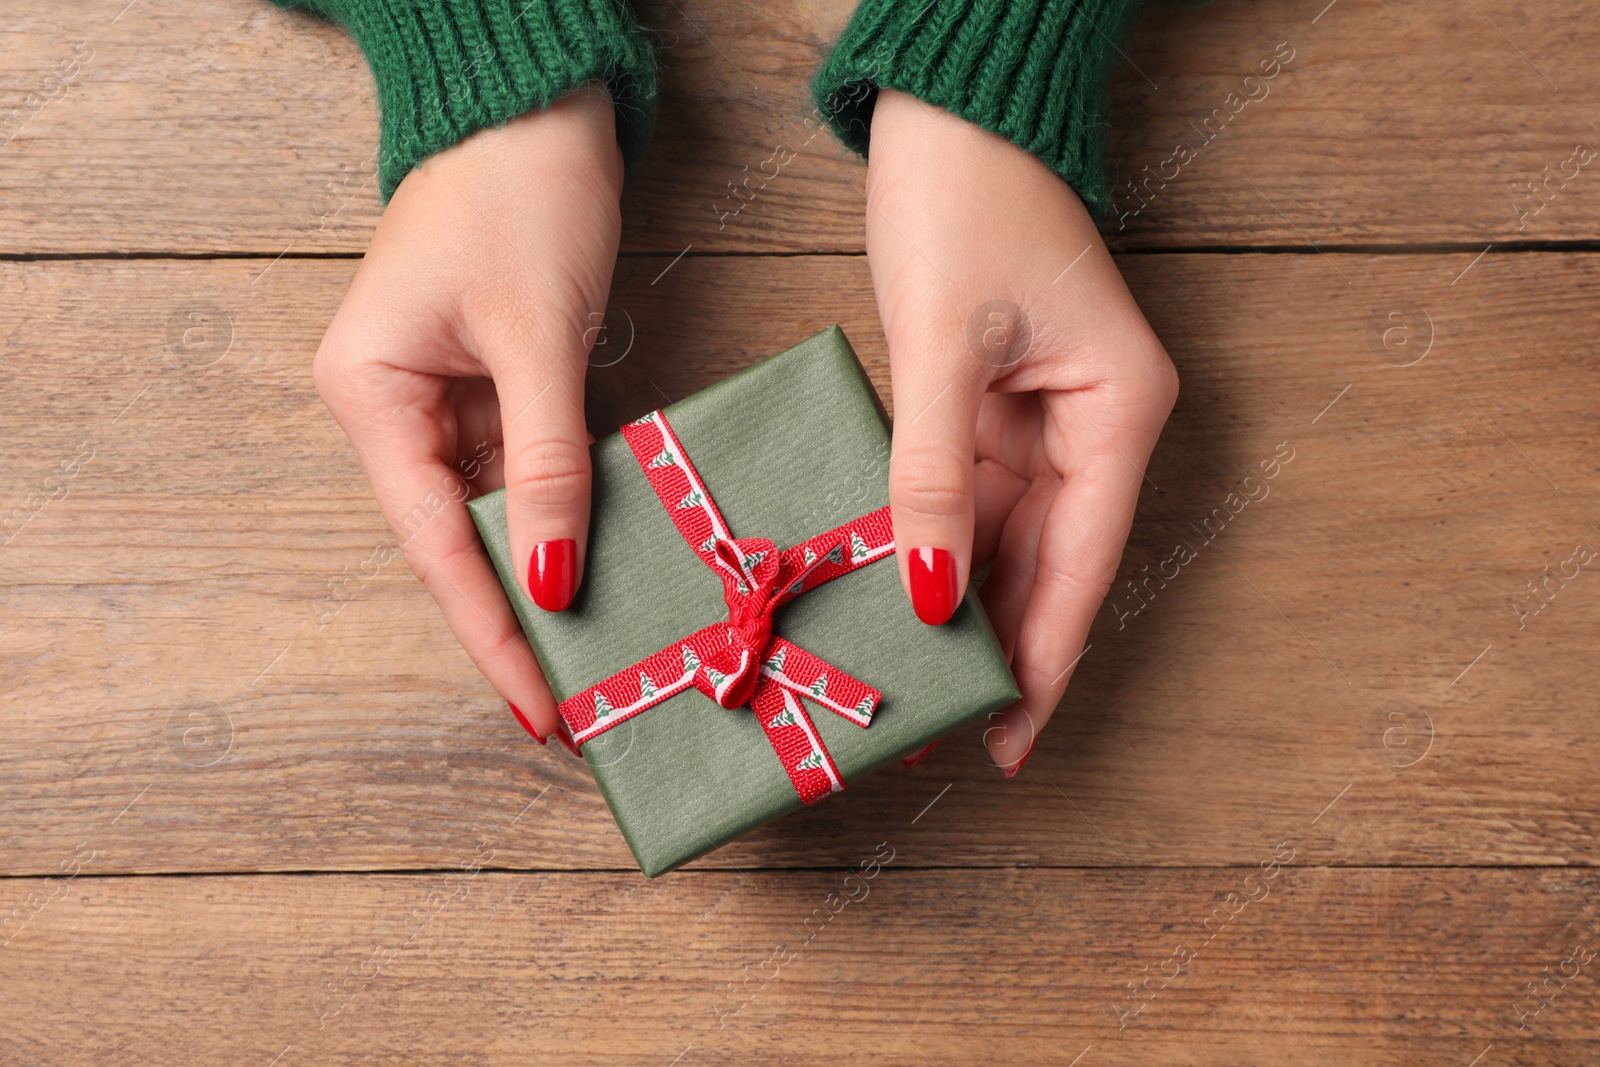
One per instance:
(447,68)
(1032,71)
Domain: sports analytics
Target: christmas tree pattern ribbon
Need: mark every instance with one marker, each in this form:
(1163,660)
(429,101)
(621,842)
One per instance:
(740,661)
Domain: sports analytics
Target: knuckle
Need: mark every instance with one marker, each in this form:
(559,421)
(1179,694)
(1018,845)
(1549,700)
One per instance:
(433,567)
(1091,584)
(511,310)
(1153,377)
(931,482)
(330,369)
(1043,682)
(549,471)
(1163,383)
(516,317)
(322,376)
(496,647)
(344,374)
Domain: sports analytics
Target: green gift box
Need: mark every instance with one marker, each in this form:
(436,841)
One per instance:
(788,449)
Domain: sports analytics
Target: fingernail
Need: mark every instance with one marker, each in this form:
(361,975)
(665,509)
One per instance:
(933,584)
(566,739)
(553,573)
(1012,773)
(917,757)
(523,719)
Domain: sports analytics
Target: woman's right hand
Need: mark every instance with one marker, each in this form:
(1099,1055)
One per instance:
(456,365)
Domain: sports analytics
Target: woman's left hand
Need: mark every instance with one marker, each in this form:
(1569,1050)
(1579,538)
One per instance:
(1028,388)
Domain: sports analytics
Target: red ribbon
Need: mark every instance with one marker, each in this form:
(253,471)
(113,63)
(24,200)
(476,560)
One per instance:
(740,661)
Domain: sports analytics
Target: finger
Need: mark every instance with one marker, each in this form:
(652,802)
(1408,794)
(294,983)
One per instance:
(538,357)
(1076,558)
(1005,591)
(997,492)
(479,455)
(938,386)
(1080,545)
(1009,425)
(402,426)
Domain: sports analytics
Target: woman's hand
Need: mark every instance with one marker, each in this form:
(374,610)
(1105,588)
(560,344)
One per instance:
(1028,392)
(456,365)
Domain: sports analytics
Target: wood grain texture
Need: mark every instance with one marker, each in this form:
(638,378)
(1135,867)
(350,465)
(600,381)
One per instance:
(234,127)
(1350,967)
(1332,774)
(206,679)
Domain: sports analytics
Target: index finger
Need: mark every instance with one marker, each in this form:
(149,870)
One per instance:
(424,501)
(1080,546)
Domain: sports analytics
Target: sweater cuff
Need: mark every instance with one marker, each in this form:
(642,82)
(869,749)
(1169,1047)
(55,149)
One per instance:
(448,68)
(1032,71)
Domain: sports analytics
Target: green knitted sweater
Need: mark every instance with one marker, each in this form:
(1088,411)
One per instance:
(1033,71)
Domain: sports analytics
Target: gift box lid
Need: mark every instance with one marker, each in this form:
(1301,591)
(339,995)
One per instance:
(788,448)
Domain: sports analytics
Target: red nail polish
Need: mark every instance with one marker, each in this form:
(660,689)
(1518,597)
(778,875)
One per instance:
(933,584)
(917,757)
(523,719)
(566,739)
(553,573)
(1012,773)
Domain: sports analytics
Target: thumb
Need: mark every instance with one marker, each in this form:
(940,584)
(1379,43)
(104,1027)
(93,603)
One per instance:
(539,380)
(938,386)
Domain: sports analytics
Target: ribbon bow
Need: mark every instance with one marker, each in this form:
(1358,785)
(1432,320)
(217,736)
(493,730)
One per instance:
(739,661)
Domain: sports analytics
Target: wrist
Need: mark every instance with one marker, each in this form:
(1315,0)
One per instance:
(575,135)
(1032,71)
(924,145)
(447,68)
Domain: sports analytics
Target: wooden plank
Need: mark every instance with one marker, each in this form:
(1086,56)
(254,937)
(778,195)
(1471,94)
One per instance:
(1413,124)
(1392,123)
(1353,967)
(193,687)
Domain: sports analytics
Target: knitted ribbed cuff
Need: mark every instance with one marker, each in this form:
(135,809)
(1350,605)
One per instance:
(448,68)
(1032,71)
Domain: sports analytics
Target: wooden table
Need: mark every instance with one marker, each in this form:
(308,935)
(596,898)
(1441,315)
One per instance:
(1328,799)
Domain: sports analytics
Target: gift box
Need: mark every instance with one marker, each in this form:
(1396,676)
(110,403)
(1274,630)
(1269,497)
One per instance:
(740,645)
